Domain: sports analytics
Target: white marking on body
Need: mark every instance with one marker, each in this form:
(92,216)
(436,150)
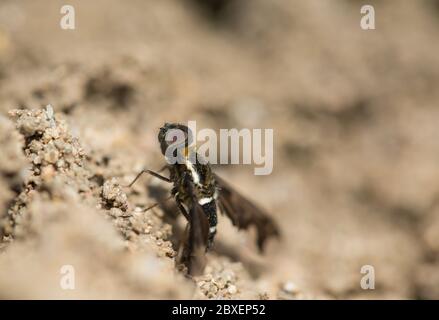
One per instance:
(195,176)
(212,229)
(204,201)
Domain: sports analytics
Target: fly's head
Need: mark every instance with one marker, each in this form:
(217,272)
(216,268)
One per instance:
(174,133)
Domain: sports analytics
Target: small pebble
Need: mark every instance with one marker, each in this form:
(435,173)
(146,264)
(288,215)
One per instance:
(51,156)
(290,287)
(232,289)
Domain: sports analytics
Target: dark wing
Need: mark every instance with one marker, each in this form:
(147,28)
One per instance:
(243,213)
(194,246)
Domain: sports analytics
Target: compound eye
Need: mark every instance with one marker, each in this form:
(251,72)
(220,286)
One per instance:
(175,136)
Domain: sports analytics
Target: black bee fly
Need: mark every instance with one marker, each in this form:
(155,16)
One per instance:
(198,193)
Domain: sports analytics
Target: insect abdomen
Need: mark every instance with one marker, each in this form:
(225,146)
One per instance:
(210,211)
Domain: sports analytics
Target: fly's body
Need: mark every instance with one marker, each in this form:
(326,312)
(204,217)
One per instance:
(205,191)
(199,193)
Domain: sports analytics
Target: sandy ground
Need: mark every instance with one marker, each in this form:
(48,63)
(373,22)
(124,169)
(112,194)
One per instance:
(354,114)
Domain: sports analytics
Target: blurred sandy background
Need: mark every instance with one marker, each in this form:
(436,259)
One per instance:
(354,113)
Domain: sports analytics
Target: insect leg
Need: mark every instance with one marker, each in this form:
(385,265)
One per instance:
(155,174)
(183,211)
(155,204)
